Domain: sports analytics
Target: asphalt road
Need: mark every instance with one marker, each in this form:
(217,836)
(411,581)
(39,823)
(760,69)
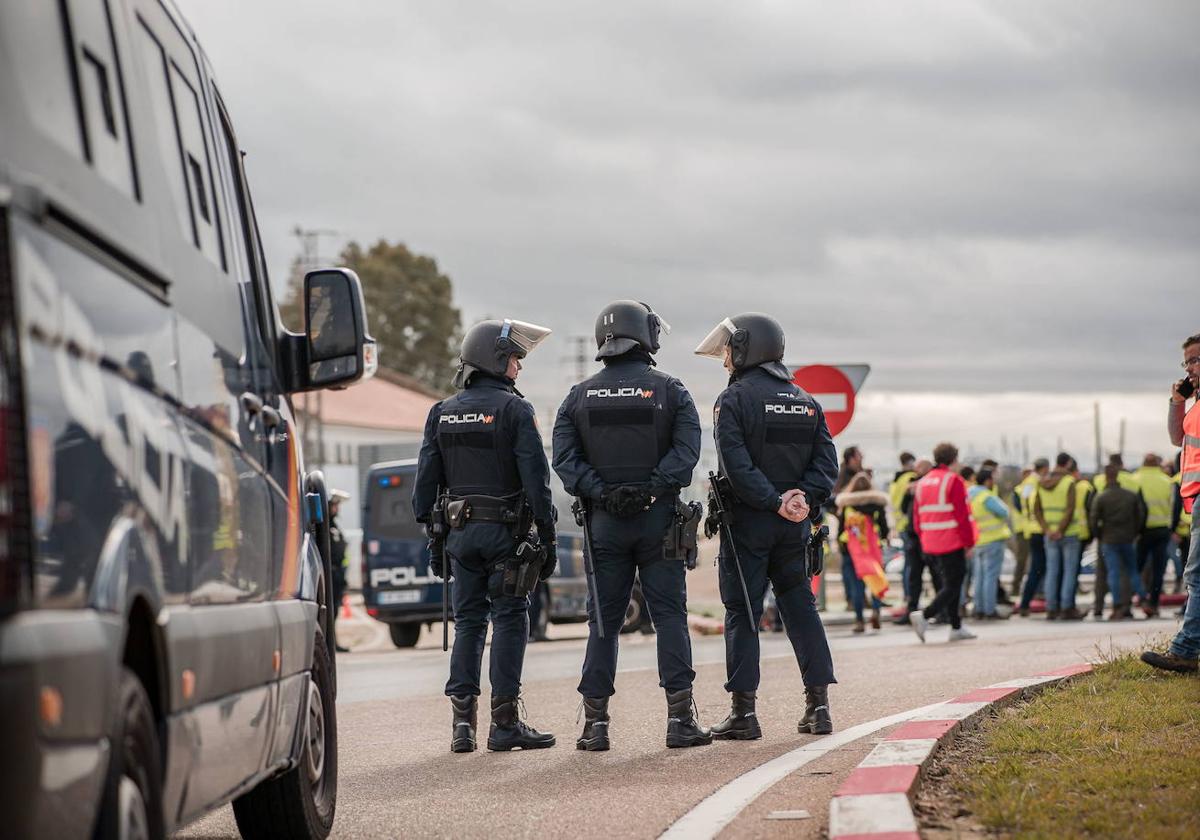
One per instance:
(398,778)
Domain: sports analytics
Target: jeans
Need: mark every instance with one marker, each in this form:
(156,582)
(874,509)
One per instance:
(1152,559)
(1062,573)
(986,564)
(1121,557)
(1037,568)
(1187,641)
(953,567)
(858,589)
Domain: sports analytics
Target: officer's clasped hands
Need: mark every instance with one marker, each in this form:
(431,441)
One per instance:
(626,501)
(793,506)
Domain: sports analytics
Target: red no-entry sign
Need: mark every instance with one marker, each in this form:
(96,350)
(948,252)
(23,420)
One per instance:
(833,390)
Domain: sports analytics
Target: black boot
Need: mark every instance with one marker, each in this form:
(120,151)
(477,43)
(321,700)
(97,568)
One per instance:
(742,723)
(682,728)
(816,718)
(462,732)
(509,732)
(595,725)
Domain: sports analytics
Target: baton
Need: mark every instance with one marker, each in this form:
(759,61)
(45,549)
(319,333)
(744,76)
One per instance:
(723,518)
(582,511)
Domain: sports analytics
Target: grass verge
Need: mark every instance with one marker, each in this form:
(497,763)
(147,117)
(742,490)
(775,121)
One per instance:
(1114,754)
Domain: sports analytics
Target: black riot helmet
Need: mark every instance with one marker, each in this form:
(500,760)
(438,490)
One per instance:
(754,340)
(626,324)
(488,345)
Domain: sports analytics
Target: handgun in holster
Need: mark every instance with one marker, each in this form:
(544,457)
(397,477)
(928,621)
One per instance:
(720,497)
(680,543)
(815,553)
(521,570)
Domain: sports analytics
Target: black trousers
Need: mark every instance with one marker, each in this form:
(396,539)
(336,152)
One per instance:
(1037,568)
(475,552)
(625,548)
(918,562)
(954,569)
(1152,560)
(770,549)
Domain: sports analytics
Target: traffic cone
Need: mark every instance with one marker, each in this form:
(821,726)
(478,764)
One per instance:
(346,611)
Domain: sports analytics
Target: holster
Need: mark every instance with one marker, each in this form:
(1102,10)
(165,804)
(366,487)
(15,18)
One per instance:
(680,543)
(815,552)
(521,571)
(720,501)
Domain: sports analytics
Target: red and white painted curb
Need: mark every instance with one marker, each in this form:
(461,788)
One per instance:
(875,801)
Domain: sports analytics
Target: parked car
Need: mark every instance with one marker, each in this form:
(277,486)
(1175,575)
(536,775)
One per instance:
(165,631)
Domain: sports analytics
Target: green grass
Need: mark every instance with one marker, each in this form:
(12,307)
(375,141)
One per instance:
(1114,754)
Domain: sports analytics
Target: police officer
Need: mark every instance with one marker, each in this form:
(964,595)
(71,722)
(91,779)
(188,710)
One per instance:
(338,560)
(482,448)
(625,441)
(774,447)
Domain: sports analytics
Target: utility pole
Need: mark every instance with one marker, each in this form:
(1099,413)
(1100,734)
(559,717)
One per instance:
(1024,450)
(1121,439)
(580,355)
(1099,443)
(314,422)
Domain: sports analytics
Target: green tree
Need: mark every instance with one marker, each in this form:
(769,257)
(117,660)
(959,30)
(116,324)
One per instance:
(409,309)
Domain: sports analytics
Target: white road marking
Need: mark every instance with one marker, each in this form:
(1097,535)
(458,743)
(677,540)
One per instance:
(712,814)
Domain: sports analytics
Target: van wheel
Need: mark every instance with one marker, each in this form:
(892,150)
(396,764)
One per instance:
(132,808)
(405,635)
(300,803)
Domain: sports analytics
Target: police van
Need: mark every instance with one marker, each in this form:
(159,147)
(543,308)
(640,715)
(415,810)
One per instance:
(165,621)
(399,590)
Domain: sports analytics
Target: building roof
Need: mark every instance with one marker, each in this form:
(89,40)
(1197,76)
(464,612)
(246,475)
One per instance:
(389,401)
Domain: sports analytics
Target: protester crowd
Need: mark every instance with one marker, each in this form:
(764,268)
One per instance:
(953,522)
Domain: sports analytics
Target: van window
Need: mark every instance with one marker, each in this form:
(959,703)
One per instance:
(391,516)
(175,96)
(98,82)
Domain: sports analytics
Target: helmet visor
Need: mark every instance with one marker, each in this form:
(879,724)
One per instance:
(523,335)
(715,342)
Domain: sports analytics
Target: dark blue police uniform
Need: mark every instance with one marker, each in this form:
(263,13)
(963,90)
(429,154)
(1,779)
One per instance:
(483,441)
(631,425)
(771,437)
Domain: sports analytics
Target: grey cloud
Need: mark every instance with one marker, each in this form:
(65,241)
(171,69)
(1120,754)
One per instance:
(971,196)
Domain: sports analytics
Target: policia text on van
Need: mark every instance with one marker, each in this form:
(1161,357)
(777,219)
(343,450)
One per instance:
(164,560)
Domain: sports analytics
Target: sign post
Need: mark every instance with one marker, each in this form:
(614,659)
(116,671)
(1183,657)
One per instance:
(834,388)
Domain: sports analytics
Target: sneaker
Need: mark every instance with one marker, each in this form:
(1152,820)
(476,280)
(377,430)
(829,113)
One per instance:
(1170,662)
(919,623)
(961,635)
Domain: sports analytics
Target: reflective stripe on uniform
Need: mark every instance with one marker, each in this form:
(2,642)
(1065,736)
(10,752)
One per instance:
(939,526)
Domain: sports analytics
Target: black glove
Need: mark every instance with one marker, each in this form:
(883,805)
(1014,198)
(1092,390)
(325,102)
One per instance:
(549,541)
(626,501)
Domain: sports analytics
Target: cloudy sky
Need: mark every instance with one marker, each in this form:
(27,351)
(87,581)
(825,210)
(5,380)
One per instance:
(996,205)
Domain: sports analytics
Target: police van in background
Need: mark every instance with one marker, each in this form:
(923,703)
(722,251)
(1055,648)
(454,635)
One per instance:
(397,586)
(165,630)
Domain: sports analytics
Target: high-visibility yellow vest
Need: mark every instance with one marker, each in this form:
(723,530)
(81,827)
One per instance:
(1159,494)
(896,497)
(992,528)
(1083,488)
(1124,479)
(1184,528)
(1054,506)
(1025,491)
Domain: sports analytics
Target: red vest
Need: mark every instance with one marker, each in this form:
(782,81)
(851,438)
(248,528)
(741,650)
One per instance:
(936,520)
(1189,468)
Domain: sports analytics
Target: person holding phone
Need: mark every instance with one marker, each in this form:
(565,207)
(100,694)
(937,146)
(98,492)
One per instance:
(1183,425)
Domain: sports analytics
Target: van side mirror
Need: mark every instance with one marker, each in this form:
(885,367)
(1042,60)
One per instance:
(337,350)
